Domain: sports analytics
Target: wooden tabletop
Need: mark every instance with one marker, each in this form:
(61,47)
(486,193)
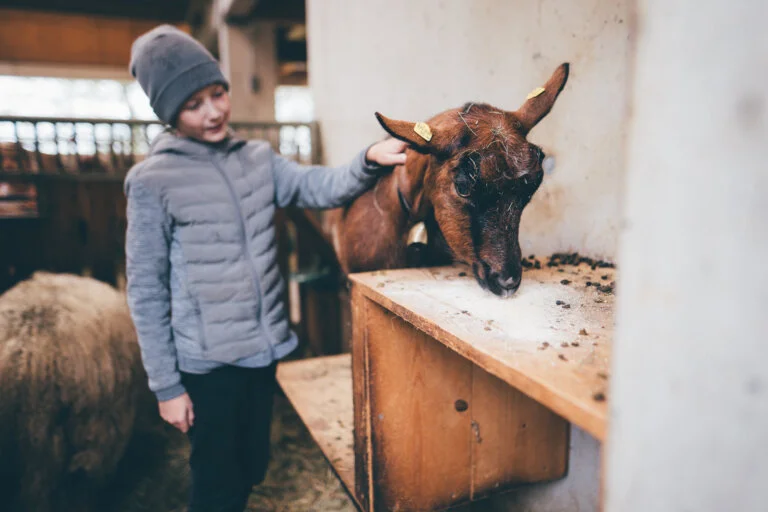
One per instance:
(320,390)
(551,339)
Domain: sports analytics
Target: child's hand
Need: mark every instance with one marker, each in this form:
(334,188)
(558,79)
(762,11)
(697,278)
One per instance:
(387,153)
(178,412)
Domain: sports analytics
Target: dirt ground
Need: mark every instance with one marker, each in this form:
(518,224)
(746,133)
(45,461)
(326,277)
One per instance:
(299,478)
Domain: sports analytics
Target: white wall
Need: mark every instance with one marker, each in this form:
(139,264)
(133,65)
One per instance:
(578,492)
(689,408)
(689,394)
(413,59)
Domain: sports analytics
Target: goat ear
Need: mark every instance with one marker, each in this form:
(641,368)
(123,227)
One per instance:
(409,132)
(540,101)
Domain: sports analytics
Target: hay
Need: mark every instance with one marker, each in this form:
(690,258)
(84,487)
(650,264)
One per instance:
(299,477)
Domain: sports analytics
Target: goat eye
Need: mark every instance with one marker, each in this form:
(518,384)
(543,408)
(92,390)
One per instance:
(463,186)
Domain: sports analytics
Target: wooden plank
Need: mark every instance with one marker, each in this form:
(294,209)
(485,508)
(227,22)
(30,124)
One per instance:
(320,391)
(515,439)
(437,429)
(556,354)
(72,39)
(61,228)
(360,400)
(102,222)
(21,250)
(420,444)
(320,315)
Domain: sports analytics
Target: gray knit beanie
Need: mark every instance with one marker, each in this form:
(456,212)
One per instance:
(171,66)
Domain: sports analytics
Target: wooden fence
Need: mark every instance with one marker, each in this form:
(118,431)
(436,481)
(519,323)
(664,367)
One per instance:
(62,209)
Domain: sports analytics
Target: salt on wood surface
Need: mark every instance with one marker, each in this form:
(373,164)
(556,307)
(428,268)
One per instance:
(551,339)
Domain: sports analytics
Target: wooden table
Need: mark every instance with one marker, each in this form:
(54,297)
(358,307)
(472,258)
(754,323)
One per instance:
(454,393)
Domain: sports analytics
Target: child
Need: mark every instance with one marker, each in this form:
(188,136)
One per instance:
(204,288)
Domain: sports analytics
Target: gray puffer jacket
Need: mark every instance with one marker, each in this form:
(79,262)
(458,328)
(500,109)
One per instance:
(203,279)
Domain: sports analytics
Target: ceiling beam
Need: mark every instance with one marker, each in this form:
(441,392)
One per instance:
(172,11)
(235,9)
(68,39)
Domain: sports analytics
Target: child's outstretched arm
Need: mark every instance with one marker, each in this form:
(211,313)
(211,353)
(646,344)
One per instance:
(329,187)
(147,244)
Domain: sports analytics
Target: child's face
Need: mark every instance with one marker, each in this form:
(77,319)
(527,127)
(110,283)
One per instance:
(205,115)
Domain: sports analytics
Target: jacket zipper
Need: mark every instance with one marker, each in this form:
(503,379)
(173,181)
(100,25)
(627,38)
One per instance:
(248,256)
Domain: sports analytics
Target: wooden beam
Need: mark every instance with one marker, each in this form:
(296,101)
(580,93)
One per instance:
(235,9)
(168,11)
(69,39)
(282,11)
(204,21)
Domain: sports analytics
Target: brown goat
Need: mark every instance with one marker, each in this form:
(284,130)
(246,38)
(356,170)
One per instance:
(72,390)
(467,178)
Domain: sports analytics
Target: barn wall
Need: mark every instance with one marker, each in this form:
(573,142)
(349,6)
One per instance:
(410,60)
(81,231)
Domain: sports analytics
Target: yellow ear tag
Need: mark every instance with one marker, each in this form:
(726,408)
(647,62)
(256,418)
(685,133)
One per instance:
(423,130)
(537,91)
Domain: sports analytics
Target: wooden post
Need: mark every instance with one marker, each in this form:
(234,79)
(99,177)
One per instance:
(360,399)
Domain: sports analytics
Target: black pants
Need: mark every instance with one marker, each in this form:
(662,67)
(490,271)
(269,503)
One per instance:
(230,436)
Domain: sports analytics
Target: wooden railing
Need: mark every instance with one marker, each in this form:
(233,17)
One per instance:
(62,208)
(109,147)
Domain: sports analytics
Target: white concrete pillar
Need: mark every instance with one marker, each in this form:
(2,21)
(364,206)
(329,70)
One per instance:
(689,396)
(249,59)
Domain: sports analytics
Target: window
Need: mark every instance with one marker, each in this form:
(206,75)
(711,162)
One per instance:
(67,97)
(293,104)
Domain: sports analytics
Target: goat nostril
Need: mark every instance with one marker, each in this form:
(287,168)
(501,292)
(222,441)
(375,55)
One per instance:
(509,283)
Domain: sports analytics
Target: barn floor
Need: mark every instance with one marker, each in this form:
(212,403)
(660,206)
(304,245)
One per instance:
(299,477)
